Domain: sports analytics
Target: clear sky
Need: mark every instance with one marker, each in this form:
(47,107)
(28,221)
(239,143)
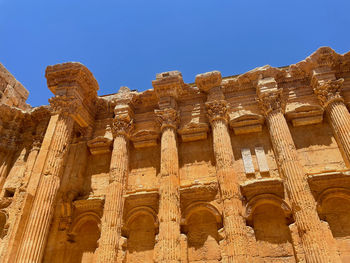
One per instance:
(125,43)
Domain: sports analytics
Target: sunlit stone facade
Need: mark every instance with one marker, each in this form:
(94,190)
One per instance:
(245,168)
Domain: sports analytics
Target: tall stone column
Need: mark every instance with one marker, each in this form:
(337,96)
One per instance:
(169,190)
(168,245)
(328,93)
(37,228)
(75,89)
(314,235)
(111,223)
(234,222)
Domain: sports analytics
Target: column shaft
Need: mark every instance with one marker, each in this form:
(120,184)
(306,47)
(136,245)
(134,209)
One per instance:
(113,209)
(169,203)
(234,223)
(37,228)
(339,119)
(313,234)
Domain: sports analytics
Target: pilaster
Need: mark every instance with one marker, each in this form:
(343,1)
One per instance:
(234,223)
(111,223)
(75,88)
(168,246)
(312,232)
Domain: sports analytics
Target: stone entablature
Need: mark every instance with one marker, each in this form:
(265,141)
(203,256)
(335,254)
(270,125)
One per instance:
(181,172)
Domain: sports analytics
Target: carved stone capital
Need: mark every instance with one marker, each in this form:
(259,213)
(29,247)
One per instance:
(167,118)
(65,105)
(217,110)
(122,126)
(36,144)
(271,101)
(329,91)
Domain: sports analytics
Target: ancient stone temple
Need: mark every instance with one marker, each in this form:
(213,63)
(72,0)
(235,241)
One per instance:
(247,168)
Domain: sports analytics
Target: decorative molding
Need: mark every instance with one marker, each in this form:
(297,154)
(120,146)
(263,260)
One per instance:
(99,145)
(145,138)
(194,131)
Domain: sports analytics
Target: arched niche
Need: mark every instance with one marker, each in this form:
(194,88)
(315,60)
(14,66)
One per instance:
(270,216)
(140,228)
(201,222)
(83,238)
(334,207)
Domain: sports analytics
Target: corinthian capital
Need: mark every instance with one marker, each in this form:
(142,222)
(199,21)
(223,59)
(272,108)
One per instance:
(123,122)
(64,105)
(167,118)
(122,127)
(217,110)
(329,91)
(271,101)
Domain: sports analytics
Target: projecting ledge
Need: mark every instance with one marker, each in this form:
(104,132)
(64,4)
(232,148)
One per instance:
(252,188)
(324,181)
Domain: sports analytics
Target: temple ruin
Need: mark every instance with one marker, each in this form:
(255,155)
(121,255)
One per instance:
(247,168)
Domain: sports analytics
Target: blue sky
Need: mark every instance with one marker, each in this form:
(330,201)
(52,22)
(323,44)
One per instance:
(125,43)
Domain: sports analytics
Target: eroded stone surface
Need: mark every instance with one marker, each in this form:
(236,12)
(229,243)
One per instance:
(247,168)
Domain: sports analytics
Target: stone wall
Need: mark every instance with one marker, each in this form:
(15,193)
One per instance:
(247,168)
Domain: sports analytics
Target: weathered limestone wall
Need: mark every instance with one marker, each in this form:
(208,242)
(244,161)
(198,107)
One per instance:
(12,92)
(247,168)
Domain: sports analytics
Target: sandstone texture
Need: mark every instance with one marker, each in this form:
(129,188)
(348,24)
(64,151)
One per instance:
(247,168)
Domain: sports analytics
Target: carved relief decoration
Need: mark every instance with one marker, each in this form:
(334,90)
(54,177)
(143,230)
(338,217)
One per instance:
(122,126)
(64,105)
(216,110)
(329,91)
(271,101)
(167,118)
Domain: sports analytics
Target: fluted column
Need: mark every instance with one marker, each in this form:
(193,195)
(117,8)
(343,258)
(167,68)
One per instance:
(234,222)
(111,223)
(313,234)
(37,228)
(168,245)
(16,232)
(75,91)
(328,93)
(167,87)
